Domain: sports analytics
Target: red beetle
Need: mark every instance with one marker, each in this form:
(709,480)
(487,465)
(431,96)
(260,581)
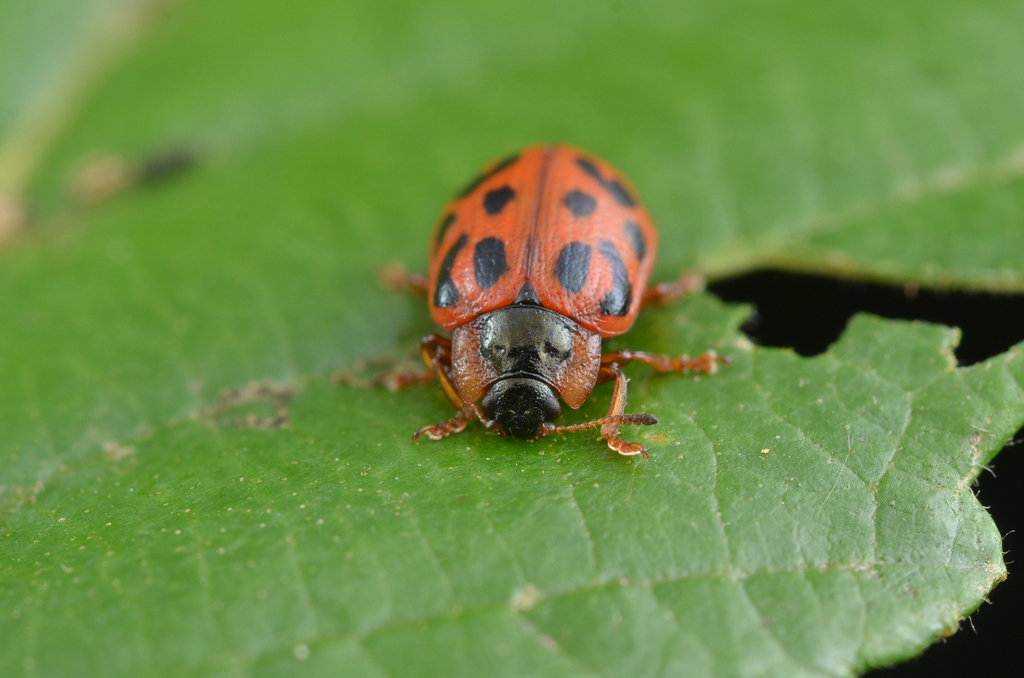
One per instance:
(542,256)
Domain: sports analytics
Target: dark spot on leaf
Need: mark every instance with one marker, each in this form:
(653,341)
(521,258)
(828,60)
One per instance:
(167,164)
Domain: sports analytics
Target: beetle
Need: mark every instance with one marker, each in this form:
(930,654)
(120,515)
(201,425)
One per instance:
(542,256)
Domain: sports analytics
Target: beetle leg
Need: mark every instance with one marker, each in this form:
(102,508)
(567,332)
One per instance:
(488,424)
(688,283)
(396,277)
(396,381)
(639,419)
(706,363)
(430,345)
(437,353)
(610,431)
(438,431)
(616,416)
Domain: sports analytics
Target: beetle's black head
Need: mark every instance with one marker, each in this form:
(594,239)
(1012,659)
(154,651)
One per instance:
(520,405)
(525,345)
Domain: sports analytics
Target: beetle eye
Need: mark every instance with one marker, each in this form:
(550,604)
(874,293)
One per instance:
(559,341)
(550,349)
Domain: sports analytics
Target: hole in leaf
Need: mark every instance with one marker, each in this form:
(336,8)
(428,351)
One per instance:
(808,313)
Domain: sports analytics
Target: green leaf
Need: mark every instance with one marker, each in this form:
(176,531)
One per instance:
(51,52)
(797,517)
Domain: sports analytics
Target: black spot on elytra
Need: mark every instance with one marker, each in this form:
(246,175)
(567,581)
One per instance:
(443,229)
(636,237)
(614,188)
(573,266)
(481,178)
(489,262)
(579,203)
(618,300)
(620,194)
(527,295)
(445,294)
(495,201)
(589,168)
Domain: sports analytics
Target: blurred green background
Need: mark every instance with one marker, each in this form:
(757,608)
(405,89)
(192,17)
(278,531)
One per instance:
(196,195)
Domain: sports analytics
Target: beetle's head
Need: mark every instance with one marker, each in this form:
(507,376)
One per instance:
(520,405)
